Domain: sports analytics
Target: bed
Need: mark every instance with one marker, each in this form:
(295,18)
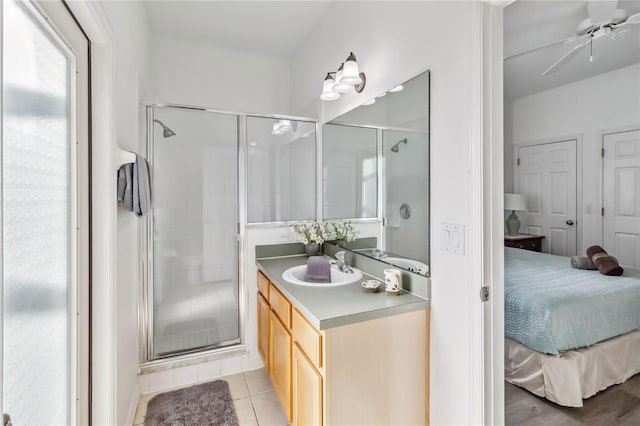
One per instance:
(568,333)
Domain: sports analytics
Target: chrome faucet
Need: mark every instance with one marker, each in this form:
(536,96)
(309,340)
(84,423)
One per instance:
(343,266)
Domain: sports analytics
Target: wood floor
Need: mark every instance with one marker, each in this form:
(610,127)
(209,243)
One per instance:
(617,405)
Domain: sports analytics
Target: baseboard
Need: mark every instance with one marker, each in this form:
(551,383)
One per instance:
(133,407)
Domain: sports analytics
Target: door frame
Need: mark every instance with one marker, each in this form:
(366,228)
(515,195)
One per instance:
(549,141)
(103,351)
(56,20)
(601,136)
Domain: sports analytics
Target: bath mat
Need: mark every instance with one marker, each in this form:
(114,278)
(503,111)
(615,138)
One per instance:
(208,404)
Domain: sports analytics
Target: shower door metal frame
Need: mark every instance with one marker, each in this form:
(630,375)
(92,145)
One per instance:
(148,361)
(145,314)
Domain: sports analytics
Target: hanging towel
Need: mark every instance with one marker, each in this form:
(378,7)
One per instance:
(141,187)
(125,185)
(134,186)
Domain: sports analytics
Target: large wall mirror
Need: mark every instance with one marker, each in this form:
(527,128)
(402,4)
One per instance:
(376,166)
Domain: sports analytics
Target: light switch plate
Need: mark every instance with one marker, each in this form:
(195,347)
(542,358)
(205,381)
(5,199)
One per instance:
(452,237)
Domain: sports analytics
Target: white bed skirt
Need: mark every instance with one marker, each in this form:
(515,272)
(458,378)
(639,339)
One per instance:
(572,376)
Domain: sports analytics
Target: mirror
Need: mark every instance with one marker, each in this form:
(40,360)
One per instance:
(376,166)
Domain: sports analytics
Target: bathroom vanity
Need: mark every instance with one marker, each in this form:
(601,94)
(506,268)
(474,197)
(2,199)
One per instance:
(337,355)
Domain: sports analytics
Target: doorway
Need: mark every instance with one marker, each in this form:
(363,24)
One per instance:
(45,215)
(621,196)
(546,174)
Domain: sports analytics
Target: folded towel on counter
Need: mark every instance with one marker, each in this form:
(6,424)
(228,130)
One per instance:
(134,186)
(582,262)
(318,270)
(607,265)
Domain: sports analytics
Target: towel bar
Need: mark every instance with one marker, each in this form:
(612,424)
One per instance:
(124,157)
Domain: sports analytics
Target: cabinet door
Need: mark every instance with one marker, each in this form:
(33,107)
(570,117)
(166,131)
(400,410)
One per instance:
(263,330)
(307,391)
(280,362)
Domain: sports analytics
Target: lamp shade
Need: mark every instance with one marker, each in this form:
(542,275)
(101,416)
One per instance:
(340,85)
(351,73)
(328,94)
(514,202)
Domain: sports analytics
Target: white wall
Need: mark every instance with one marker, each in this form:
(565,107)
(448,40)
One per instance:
(210,76)
(395,41)
(586,108)
(205,75)
(129,29)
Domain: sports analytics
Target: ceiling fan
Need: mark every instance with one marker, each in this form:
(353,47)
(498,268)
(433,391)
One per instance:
(604,19)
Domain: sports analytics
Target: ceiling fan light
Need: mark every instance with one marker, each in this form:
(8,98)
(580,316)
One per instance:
(328,94)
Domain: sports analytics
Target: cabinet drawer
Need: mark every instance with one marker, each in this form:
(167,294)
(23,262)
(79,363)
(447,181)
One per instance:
(309,339)
(263,285)
(280,305)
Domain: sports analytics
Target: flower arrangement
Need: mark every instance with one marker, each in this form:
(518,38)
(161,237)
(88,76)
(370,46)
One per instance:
(343,231)
(319,232)
(311,232)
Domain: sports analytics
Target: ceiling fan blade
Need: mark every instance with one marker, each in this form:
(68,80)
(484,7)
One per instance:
(570,54)
(526,52)
(601,11)
(631,20)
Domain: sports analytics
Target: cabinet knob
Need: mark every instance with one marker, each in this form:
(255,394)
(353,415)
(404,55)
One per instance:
(569,222)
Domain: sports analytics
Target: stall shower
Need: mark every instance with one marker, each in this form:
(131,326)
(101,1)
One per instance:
(192,292)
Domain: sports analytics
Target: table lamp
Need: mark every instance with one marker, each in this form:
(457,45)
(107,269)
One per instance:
(514,202)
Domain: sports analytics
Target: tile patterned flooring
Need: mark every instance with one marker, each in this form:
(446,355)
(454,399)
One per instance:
(253,396)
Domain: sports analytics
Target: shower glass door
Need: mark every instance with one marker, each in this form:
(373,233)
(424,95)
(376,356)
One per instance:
(195,286)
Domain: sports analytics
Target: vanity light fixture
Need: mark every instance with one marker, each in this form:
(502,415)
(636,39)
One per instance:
(328,94)
(341,86)
(347,78)
(398,88)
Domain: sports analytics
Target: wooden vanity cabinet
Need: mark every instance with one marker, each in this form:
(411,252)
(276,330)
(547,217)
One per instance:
(263,329)
(307,390)
(324,377)
(280,362)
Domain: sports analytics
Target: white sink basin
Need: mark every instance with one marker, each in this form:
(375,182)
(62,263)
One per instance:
(298,274)
(408,264)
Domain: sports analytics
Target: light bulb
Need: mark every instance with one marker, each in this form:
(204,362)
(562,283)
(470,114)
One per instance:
(398,88)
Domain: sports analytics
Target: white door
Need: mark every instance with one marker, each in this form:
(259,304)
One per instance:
(621,196)
(44,216)
(547,178)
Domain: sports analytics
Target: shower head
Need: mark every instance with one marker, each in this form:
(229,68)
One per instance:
(396,147)
(166,131)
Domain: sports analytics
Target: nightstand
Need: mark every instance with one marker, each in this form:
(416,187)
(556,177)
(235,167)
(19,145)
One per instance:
(524,241)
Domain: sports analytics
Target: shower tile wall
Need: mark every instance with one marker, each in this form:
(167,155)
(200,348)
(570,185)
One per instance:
(195,212)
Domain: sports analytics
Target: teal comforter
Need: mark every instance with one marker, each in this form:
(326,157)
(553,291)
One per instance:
(551,307)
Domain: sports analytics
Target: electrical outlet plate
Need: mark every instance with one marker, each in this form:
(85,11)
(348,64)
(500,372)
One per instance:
(452,237)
